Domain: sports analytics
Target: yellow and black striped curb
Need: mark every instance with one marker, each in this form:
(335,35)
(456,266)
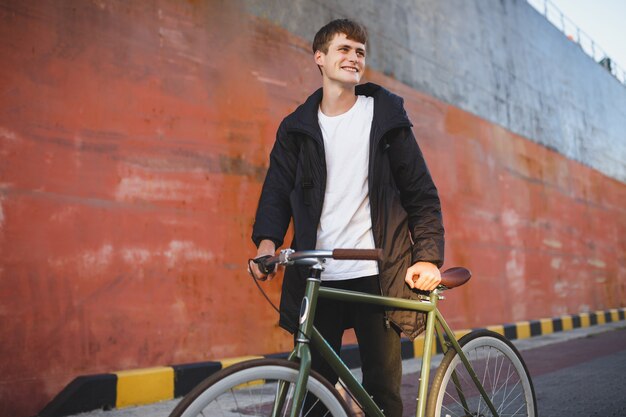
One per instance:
(532,328)
(150,385)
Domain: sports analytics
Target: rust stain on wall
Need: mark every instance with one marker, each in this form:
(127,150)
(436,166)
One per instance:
(133,141)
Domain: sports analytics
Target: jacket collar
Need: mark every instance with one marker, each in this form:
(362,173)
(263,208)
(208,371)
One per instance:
(388,111)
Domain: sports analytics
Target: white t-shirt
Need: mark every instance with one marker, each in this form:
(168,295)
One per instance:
(346,221)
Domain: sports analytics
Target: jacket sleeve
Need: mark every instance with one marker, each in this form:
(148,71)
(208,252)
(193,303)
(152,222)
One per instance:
(418,195)
(274,210)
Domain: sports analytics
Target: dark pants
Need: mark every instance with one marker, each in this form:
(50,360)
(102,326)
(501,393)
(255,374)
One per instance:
(379,345)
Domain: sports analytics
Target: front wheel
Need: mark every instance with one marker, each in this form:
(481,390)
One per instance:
(501,371)
(250,389)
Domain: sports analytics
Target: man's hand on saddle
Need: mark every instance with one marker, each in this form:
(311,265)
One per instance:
(266,248)
(423,276)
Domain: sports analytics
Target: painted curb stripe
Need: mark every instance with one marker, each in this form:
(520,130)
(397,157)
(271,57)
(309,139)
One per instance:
(567,323)
(535,328)
(187,376)
(144,386)
(584,320)
(350,355)
(510,331)
(498,329)
(406,349)
(231,361)
(547,326)
(85,393)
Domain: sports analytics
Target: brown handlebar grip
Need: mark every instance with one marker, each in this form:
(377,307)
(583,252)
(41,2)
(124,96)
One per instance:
(359,254)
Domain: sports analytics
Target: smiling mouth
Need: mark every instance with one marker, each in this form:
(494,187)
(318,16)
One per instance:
(351,69)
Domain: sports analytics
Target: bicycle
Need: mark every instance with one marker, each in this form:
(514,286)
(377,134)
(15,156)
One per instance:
(481,374)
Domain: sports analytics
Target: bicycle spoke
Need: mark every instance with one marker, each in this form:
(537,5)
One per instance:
(487,368)
(288,399)
(311,407)
(453,398)
(235,399)
(511,391)
(504,385)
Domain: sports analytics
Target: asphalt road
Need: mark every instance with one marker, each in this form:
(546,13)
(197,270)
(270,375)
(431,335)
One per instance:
(578,373)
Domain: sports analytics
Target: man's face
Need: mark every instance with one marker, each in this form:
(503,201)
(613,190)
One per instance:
(345,61)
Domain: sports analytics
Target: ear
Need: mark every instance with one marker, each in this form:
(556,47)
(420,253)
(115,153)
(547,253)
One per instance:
(319,57)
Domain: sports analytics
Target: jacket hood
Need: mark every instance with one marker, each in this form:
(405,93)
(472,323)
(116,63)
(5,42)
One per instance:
(388,112)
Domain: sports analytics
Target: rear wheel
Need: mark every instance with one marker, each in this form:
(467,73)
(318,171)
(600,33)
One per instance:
(250,389)
(501,371)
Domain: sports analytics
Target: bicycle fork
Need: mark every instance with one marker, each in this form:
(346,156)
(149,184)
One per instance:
(302,349)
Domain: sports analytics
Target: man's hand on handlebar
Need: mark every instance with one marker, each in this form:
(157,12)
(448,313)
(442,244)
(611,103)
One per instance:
(266,248)
(257,266)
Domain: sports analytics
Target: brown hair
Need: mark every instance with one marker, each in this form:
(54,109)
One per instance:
(353,31)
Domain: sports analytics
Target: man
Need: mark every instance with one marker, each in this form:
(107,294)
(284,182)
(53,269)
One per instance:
(347,169)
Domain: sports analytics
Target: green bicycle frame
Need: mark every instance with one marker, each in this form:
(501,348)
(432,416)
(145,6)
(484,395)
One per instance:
(308,333)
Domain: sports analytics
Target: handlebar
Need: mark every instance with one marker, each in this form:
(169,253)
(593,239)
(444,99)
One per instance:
(268,263)
(450,278)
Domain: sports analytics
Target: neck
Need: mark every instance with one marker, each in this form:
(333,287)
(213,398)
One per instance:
(337,99)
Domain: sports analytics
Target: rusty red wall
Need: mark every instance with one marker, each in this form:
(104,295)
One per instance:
(133,143)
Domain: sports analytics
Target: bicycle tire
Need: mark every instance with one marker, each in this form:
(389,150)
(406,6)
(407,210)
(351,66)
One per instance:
(499,367)
(249,388)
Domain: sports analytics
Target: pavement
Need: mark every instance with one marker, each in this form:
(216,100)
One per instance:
(580,372)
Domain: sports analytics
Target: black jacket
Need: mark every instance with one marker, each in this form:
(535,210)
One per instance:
(405,207)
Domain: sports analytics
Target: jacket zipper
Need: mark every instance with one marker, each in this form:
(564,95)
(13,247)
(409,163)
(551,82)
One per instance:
(308,134)
(386,318)
(371,167)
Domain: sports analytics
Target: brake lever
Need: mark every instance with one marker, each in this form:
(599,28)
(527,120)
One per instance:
(262,267)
